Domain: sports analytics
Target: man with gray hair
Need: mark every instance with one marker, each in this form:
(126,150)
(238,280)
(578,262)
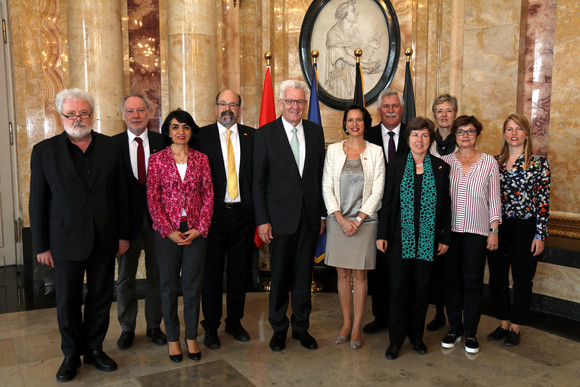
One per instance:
(137,143)
(287,185)
(79,220)
(389,135)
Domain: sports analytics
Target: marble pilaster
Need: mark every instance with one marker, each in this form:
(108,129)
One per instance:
(192,58)
(96,58)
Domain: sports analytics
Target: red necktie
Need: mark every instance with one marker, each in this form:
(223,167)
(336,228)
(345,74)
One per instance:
(140,161)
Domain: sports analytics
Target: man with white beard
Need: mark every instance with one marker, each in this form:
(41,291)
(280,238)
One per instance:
(79,211)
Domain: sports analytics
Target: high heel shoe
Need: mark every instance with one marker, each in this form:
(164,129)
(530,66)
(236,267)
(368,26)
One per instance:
(341,339)
(176,358)
(192,356)
(356,344)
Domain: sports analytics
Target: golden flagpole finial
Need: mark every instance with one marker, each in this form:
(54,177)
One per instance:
(358,54)
(314,54)
(409,53)
(268,56)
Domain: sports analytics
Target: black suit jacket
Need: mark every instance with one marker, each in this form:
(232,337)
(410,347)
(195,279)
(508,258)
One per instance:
(64,212)
(390,216)
(137,191)
(374,135)
(209,143)
(279,190)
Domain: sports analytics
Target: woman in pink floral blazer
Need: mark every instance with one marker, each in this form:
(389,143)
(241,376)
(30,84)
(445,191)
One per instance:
(180,200)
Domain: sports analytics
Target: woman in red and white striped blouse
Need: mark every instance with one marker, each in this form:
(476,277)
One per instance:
(476,213)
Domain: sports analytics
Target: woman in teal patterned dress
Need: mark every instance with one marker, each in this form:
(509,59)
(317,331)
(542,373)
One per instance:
(414,228)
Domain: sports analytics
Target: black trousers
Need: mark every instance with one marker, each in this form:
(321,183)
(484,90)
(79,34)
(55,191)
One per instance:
(515,242)
(127,305)
(379,288)
(410,285)
(188,260)
(79,333)
(464,265)
(291,262)
(230,240)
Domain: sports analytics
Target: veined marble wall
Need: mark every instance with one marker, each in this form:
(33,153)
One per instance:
(497,56)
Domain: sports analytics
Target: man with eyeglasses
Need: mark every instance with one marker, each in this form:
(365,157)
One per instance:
(389,135)
(137,143)
(79,211)
(288,163)
(229,147)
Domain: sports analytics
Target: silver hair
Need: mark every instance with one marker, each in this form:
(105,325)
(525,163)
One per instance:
(125,98)
(75,95)
(294,84)
(390,91)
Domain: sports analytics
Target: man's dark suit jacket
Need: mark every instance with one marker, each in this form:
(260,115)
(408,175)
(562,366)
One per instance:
(375,136)
(209,143)
(390,215)
(279,190)
(64,212)
(137,191)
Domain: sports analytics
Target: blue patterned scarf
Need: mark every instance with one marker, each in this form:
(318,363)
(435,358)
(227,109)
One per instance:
(428,205)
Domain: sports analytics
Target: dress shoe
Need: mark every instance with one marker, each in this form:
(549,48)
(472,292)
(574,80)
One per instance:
(238,332)
(211,339)
(306,340)
(157,336)
(125,340)
(374,326)
(278,341)
(419,346)
(392,352)
(436,323)
(356,344)
(512,339)
(176,358)
(68,368)
(194,355)
(341,339)
(498,334)
(100,360)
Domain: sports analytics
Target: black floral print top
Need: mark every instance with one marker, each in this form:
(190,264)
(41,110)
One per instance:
(526,193)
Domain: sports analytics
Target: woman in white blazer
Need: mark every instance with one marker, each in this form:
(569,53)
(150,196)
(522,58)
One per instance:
(352,187)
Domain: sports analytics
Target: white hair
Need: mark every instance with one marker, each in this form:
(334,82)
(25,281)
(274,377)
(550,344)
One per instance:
(74,95)
(294,84)
(389,91)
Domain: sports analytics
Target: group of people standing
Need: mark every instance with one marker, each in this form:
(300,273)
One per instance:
(410,211)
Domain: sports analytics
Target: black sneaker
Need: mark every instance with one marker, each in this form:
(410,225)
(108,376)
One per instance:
(512,339)
(471,344)
(452,338)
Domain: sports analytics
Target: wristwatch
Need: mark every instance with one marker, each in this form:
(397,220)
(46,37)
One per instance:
(494,230)
(359,219)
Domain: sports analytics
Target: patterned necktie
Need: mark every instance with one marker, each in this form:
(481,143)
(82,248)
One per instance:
(295,147)
(392,150)
(232,175)
(141,175)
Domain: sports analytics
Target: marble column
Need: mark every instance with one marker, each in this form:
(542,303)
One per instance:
(96,58)
(192,58)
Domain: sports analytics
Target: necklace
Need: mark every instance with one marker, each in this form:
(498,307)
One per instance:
(179,159)
(419,165)
(347,147)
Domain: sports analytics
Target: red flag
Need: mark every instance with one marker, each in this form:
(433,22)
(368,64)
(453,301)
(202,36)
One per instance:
(268,110)
(267,114)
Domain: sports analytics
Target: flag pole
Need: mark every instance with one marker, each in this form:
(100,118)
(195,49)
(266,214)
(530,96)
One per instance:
(359,94)
(409,53)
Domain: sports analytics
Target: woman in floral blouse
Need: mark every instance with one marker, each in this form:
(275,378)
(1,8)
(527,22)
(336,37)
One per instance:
(525,196)
(180,199)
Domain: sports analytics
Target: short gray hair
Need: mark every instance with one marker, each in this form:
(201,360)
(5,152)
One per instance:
(294,84)
(390,91)
(125,98)
(75,95)
(445,98)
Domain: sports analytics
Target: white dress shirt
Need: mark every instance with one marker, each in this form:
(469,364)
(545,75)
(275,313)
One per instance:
(301,141)
(235,138)
(133,151)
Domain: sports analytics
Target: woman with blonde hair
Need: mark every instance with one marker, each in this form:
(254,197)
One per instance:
(525,196)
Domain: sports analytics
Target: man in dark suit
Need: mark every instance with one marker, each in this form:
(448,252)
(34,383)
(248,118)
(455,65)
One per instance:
(288,163)
(390,135)
(79,219)
(229,147)
(137,144)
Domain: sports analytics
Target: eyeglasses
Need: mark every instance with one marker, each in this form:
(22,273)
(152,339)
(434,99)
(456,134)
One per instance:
(231,105)
(73,117)
(469,132)
(290,102)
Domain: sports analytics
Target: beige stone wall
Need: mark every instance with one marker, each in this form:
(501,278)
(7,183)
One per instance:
(471,48)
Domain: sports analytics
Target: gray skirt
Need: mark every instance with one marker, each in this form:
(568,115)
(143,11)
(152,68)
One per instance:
(357,252)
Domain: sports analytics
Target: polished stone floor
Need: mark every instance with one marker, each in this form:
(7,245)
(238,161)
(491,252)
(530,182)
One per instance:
(30,356)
